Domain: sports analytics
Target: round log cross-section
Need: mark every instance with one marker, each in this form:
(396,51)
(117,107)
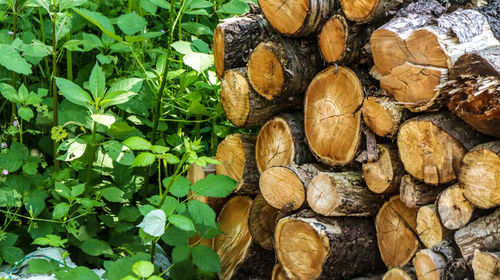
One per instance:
(383,176)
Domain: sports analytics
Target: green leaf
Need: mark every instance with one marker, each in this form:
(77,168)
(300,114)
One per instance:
(78,273)
(199,61)
(97,82)
(170,205)
(214,186)
(144,159)
(205,258)
(182,47)
(170,158)
(25,113)
(157,149)
(181,222)
(235,7)
(148,6)
(12,60)
(116,98)
(77,190)
(201,213)
(11,254)
(196,108)
(154,223)
(137,144)
(131,23)
(9,93)
(161,3)
(176,237)
(131,84)
(63,25)
(180,187)
(36,202)
(100,21)
(95,247)
(143,269)
(106,120)
(41,266)
(181,253)
(113,194)
(50,240)
(73,93)
(123,266)
(60,210)
(119,153)
(197,28)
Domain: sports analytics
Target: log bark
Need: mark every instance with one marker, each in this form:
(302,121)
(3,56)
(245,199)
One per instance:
(455,211)
(285,187)
(362,11)
(479,175)
(400,273)
(429,228)
(235,38)
(432,146)
(281,69)
(415,194)
(333,116)
(341,42)
(482,234)
(313,247)
(383,115)
(297,18)
(237,252)
(262,221)
(383,176)
(486,266)
(431,265)
(236,153)
(396,233)
(342,194)
(243,106)
(281,141)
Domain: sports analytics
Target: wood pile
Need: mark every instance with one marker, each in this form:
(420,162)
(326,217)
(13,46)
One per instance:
(378,155)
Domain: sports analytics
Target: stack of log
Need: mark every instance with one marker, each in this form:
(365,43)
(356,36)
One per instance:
(376,157)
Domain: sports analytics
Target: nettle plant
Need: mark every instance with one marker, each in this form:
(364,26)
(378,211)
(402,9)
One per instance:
(105,105)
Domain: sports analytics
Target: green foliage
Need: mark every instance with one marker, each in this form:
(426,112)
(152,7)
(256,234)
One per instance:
(105,105)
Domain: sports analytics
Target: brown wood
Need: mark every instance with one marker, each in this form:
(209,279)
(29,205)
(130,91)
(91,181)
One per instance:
(243,105)
(383,115)
(310,246)
(429,228)
(234,38)
(342,194)
(400,273)
(455,211)
(416,194)
(340,41)
(298,17)
(396,232)
(433,265)
(479,175)
(281,141)
(281,69)
(262,221)
(333,116)
(383,176)
(482,234)
(236,155)
(235,247)
(486,265)
(285,187)
(279,273)
(370,10)
(432,146)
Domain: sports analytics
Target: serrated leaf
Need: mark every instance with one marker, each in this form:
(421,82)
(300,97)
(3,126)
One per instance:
(73,93)
(100,21)
(214,186)
(181,222)
(199,61)
(12,60)
(60,210)
(180,186)
(161,3)
(196,28)
(137,143)
(144,159)
(11,254)
(157,149)
(41,266)
(143,269)
(182,47)
(205,258)
(97,82)
(119,153)
(201,213)
(9,92)
(78,273)
(113,194)
(106,120)
(154,223)
(181,253)
(131,23)
(25,113)
(95,247)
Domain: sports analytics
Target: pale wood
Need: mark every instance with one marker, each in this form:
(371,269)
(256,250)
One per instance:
(400,273)
(383,176)
(370,10)
(383,115)
(429,228)
(416,194)
(486,265)
(455,211)
(429,265)
(279,273)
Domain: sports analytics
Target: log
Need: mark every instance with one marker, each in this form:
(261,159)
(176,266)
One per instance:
(236,153)
(429,228)
(236,249)
(262,221)
(396,232)
(342,194)
(297,18)
(196,173)
(383,115)
(479,175)
(400,273)
(432,146)
(415,194)
(285,187)
(309,246)
(281,69)
(455,211)
(281,141)
(243,106)
(370,10)
(333,116)
(486,266)
(341,42)
(383,176)
(482,234)
(430,265)
(279,273)
(234,38)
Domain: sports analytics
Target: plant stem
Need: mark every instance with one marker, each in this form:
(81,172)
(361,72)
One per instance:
(54,89)
(174,177)
(69,60)
(14,74)
(90,162)
(21,131)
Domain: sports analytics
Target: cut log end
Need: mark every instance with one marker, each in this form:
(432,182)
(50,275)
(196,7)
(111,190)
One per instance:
(332,115)
(275,145)
(360,11)
(281,188)
(455,211)
(287,17)
(429,265)
(265,69)
(429,227)
(382,115)
(415,194)
(279,273)
(383,176)
(262,221)
(486,265)
(397,239)
(398,273)
(219,50)
(235,97)
(333,39)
